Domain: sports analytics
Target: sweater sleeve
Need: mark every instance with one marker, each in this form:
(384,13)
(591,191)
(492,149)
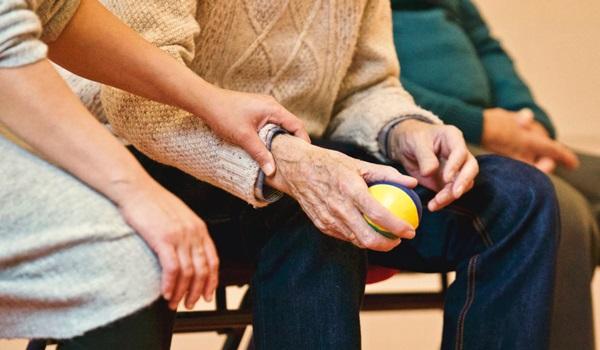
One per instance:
(371,95)
(508,88)
(20,29)
(167,134)
(466,117)
(24,29)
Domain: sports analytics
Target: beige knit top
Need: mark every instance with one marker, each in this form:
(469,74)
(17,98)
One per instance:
(330,62)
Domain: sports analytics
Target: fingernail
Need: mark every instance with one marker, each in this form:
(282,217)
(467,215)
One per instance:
(269,169)
(168,295)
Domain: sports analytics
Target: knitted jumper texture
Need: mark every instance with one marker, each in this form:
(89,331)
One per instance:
(331,63)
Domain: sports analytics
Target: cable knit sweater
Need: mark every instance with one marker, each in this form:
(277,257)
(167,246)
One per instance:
(331,63)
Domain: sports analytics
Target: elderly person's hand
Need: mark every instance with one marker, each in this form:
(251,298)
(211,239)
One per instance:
(437,156)
(332,189)
(518,135)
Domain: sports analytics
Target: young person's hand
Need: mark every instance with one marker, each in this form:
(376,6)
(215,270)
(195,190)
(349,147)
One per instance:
(237,117)
(332,190)
(121,58)
(177,235)
(56,125)
(437,156)
(518,135)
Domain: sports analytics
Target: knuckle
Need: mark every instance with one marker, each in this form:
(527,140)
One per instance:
(375,215)
(352,189)
(174,232)
(190,228)
(455,130)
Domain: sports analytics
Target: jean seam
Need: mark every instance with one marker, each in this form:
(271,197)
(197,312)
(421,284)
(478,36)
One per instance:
(472,269)
(477,224)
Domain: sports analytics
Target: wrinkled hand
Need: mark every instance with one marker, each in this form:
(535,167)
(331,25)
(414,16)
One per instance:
(518,135)
(332,189)
(237,117)
(179,238)
(437,156)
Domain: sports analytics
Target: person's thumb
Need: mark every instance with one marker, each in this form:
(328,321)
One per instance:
(259,152)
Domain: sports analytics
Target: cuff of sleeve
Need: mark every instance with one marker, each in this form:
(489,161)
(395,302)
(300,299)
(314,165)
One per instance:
(469,121)
(27,52)
(542,118)
(263,192)
(383,136)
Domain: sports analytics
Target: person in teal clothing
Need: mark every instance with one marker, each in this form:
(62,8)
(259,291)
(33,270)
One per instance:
(454,67)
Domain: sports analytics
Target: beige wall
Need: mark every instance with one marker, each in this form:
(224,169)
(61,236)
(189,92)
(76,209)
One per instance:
(556,45)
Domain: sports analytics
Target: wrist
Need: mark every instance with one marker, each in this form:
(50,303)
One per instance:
(287,150)
(489,129)
(125,187)
(398,130)
(197,99)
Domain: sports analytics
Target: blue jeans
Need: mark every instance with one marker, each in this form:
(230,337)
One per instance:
(500,238)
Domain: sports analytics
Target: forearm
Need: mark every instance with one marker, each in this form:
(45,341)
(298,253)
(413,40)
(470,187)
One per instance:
(99,47)
(174,137)
(39,108)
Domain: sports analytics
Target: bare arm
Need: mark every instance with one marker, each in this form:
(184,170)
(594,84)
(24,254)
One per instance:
(38,107)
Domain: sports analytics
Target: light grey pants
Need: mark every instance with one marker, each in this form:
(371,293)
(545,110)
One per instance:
(578,194)
(68,261)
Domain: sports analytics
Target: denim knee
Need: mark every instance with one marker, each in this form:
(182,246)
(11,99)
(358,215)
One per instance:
(522,190)
(521,180)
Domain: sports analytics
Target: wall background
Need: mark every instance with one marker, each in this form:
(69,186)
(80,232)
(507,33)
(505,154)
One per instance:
(556,46)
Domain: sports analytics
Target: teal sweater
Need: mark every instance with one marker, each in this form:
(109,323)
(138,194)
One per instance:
(454,67)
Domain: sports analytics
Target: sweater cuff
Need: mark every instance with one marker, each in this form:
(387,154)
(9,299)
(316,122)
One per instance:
(546,123)
(263,192)
(384,134)
(20,28)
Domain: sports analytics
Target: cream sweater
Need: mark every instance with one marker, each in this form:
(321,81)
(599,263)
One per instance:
(331,63)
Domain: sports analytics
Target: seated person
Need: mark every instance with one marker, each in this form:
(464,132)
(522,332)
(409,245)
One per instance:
(82,248)
(456,69)
(334,66)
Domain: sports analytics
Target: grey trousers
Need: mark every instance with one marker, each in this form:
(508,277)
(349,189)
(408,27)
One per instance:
(578,194)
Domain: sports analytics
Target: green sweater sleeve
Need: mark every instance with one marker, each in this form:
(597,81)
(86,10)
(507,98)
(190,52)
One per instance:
(466,117)
(508,89)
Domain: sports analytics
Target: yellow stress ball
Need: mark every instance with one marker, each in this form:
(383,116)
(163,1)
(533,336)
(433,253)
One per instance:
(403,202)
